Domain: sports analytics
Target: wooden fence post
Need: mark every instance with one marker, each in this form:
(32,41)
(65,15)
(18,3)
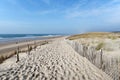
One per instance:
(28,49)
(17,54)
(101,59)
(35,45)
(84,51)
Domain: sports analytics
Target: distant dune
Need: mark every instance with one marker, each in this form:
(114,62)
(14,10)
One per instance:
(94,35)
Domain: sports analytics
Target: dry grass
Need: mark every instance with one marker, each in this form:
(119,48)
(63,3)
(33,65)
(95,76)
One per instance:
(95,35)
(44,42)
(6,56)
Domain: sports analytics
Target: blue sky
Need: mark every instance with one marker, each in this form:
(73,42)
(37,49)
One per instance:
(59,16)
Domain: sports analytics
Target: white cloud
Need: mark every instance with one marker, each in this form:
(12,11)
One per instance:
(78,12)
(108,13)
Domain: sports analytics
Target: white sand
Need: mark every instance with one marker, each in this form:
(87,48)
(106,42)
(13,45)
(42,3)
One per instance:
(54,61)
(11,62)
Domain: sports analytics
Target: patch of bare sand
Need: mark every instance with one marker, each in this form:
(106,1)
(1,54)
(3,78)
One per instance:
(11,62)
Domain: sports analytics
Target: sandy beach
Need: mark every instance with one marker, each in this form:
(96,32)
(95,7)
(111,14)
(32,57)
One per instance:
(60,40)
(56,60)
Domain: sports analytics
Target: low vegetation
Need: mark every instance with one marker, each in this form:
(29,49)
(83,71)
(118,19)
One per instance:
(2,58)
(6,56)
(95,35)
(99,46)
(45,42)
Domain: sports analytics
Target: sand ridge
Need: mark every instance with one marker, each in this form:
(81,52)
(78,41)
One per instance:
(54,61)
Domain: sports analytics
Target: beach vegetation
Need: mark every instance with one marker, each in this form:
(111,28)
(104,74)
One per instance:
(2,59)
(45,42)
(113,37)
(100,46)
(94,35)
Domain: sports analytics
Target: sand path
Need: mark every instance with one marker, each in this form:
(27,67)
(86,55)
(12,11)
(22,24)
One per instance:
(54,61)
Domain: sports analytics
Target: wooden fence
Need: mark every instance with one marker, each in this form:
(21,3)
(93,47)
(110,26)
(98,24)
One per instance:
(110,65)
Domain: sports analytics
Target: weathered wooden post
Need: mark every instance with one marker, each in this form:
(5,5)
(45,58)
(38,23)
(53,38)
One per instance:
(92,56)
(119,68)
(17,54)
(101,59)
(84,50)
(28,49)
(34,45)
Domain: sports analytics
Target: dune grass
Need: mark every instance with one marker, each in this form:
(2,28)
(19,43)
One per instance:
(95,35)
(6,56)
(99,46)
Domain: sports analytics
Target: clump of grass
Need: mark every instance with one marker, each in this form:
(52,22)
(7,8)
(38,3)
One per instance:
(45,42)
(6,56)
(2,59)
(113,37)
(99,46)
(30,48)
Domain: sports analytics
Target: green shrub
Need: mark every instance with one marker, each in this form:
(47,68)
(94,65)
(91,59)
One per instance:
(99,46)
(112,37)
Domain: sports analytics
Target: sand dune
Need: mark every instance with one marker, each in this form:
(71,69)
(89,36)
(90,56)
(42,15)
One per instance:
(101,49)
(53,61)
